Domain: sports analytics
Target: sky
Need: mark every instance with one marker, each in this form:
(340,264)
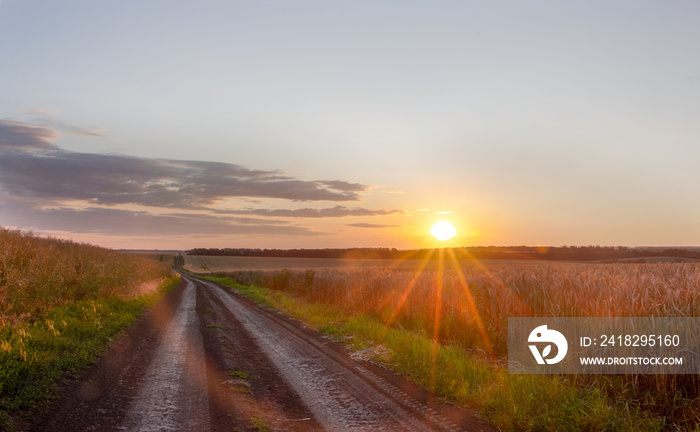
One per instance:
(321,124)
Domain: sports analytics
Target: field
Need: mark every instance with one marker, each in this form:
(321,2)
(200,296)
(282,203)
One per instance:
(166,257)
(466,304)
(208,264)
(39,273)
(60,304)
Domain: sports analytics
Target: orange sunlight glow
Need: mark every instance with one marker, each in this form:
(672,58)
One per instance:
(443,230)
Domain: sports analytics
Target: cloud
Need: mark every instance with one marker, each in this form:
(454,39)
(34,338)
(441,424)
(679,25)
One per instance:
(333,212)
(31,166)
(342,186)
(108,221)
(24,136)
(369,225)
(41,111)
(50,119)
(237,220)
(45,187)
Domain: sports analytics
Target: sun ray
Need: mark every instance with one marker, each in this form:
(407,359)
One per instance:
(439,279)
(470,302)
(407,291)
(523,308)
(377,275)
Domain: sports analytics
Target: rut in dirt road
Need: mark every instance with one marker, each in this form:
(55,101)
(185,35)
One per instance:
(207,359)
(174,395)
(341,394)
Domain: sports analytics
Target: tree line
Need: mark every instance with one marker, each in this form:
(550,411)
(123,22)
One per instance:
(558,253)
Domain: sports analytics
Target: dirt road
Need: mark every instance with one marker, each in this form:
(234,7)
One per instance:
(208,359)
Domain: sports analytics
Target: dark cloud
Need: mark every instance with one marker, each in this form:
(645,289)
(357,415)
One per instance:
(31,166)
(23,136)
(369,225)
(137,223)
(38,179)
(333,212)
(236,220)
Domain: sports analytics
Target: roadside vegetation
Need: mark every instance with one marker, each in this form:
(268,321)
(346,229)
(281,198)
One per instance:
(446,328)
(60,304)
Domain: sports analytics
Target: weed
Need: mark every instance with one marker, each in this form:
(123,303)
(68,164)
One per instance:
(259,424)
(215,326)
(239,374)
(38,273)
(61,303)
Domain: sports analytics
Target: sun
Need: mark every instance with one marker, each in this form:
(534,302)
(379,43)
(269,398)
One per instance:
(443,230)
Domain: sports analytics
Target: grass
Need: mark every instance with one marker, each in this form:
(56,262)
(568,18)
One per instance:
(61,342)
(468,304)
(164,257)
(259,424)
(239,374)
(209,264)
(469,377)
(241,381)
(38,273)
(61,303)
(217,326)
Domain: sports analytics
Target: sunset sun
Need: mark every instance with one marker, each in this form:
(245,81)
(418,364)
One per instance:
(443,230)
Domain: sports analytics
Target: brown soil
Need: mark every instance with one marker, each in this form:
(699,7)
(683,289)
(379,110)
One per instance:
(207,359)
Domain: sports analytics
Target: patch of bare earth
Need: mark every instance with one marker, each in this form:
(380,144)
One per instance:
(147,288)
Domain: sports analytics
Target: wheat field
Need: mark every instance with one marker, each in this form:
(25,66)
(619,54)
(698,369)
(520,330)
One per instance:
(468,304)
(473,299)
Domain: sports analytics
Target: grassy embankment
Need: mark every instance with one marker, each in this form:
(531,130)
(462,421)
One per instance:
(60,304)
(470,369)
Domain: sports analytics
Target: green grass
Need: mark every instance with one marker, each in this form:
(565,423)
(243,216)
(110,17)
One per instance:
(239,374)
(241,383)
(61,341)
(259,424)
(251,292)
(61,302)
(215,326)
(511,402)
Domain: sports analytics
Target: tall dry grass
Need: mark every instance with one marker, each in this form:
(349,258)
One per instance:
(469,305)
(490,294)
(38,273)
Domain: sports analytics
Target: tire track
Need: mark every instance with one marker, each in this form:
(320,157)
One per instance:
(174,395)
(341,394)
(207,359)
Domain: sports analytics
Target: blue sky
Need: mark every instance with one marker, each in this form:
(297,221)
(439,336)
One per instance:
(154,124)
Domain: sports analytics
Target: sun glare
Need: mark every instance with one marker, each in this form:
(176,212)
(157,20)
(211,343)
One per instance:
(443,230)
